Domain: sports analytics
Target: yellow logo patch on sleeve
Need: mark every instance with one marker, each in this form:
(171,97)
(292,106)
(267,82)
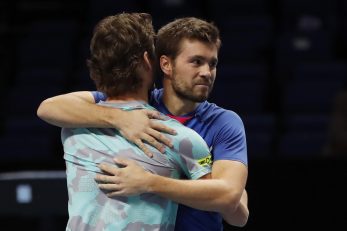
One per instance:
(205,161)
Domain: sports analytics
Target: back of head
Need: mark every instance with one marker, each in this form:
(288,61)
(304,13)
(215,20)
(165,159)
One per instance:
(116,52)
(171,35)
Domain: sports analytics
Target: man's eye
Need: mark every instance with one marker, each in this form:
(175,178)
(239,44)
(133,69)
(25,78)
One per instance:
(197,61)
(213,64)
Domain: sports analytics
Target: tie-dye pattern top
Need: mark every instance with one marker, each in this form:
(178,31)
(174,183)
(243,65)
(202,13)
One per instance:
(91,209)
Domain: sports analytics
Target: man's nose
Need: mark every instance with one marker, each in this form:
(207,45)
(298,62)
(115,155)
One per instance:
(206,71)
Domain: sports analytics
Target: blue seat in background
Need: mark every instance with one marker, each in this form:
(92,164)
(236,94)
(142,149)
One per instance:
(231,72)
(308,15)
(261,131)
(294,48)
(304,47)
(29,125)
(329,71)
(164,11)
(48,43)
(306,122)
(31,149)
(41,76)
(53,27)
(241,97)
(304,135)
(304,96)
(246,39)
(46,52)
(219,10)
(241,88)
(301,144)
(98,9)
(24,100)
(297,6)
(29,139)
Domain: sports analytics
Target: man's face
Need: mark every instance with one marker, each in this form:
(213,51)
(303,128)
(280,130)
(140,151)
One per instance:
(194,70)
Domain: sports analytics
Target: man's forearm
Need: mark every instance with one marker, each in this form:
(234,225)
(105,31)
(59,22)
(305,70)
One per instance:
(239,217)
(221,191)
(76,110)
(209,194)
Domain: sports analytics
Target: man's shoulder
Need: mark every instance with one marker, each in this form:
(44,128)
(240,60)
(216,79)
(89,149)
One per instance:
(210,112)
(183,132)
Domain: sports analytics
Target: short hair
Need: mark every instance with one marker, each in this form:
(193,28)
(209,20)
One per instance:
(171,35)
(116,52)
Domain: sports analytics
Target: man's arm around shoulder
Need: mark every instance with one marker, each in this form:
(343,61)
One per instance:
(76,109)
(221,191)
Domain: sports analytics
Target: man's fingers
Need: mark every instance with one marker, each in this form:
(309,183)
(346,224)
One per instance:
(109,187)
(113,190)
(104,179)
(153,142)
(162,128)
(143,147)
(116,193)
(108,168)
(159,137)
(155,115)
(123,161)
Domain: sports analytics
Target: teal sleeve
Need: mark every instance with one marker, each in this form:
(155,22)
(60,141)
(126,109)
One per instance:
(193,155)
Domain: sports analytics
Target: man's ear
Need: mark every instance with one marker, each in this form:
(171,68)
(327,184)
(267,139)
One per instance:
(148,63)
(166,65)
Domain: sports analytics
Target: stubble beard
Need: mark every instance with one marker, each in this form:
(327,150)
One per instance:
(188,94)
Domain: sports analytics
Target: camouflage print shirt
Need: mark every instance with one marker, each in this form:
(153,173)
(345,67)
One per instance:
(91,209)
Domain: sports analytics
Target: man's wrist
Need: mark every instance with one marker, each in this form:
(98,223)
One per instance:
(112,117)
(150,183)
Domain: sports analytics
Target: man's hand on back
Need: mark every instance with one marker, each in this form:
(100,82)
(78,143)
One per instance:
(140,126)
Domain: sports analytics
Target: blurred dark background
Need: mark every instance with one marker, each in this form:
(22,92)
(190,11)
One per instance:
(282,69)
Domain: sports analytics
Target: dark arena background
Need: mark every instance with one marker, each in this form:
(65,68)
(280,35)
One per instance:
(282,68)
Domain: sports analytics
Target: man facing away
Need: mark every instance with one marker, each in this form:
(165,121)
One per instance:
(122,53)
(187,50)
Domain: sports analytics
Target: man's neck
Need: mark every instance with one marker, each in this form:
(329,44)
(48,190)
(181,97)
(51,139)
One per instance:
(140,96)
(176,105)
